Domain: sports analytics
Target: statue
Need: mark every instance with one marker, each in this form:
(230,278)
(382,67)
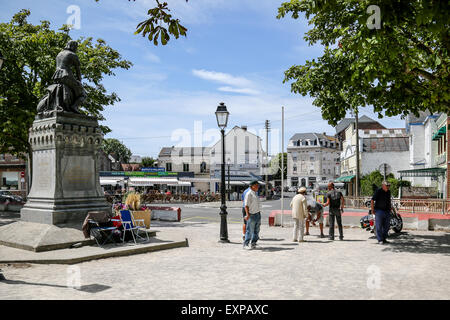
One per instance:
(67,92)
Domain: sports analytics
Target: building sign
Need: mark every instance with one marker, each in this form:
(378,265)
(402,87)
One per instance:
(137,174)
(153,169)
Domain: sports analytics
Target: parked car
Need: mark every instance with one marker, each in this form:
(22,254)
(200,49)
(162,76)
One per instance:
(8,195)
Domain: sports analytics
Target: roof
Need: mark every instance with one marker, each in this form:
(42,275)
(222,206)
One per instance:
(379,144)
(344,123)
(311,136)
(184,151)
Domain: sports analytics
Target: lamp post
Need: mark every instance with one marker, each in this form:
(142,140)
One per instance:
(222,120)
(229,187)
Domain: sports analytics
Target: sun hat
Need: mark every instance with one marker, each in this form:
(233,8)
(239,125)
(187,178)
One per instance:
(302,190)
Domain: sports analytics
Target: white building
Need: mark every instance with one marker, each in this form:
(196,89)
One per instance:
(311,158)
(244,156)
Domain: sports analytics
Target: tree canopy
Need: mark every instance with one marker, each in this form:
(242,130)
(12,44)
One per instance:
(148,162)
(117,149)
(30,52)
(398,68)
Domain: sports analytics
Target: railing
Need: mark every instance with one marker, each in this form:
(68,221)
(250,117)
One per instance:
(439,206)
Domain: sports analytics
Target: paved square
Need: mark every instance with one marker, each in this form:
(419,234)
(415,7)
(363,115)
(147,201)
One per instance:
(413,266)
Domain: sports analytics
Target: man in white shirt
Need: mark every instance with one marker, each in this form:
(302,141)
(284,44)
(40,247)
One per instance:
(299,214)
(253,216)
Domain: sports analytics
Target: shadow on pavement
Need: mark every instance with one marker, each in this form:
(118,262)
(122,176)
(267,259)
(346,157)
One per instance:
(432,244)
(92,288)
(271,239)
(273,249)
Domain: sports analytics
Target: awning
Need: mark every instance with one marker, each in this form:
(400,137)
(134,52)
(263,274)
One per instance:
(137,181)
(184,183)
(344,178)
(110,181)
(439,133)
(426,172)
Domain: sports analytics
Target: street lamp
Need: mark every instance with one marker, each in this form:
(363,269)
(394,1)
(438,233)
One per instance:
(229,189)
(222,120)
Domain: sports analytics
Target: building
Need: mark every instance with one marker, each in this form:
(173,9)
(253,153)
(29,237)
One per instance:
(428,153)
(364,122)
(379,149)
(244,157)
(311,158)
(13,174)
(191,164)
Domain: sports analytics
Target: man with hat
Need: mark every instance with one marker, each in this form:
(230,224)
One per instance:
(381,206)
(299,214)
(253,217)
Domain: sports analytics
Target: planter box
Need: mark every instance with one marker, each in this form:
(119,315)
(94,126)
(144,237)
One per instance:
(141,214)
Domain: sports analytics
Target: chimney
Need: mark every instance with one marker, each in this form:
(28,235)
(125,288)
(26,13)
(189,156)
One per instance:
(244,128)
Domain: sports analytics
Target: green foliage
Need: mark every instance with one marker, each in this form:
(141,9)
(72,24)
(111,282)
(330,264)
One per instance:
(160,25)
(400,68)
(30,52)
(117,149)
(275,166)
(148,162)
(372,181)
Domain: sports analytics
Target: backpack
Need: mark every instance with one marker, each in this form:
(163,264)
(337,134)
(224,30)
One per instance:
(335,199)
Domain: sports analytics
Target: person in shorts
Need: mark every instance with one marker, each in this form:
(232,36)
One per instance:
(315,211)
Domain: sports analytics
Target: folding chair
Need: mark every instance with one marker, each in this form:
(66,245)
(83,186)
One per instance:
(104,234)
(129,225)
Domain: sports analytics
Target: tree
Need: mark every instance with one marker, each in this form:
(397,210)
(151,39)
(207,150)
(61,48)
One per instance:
(275,166)
(372,181)
(30,52)
(160,24)
(117,149)
(148,162)
(398,68)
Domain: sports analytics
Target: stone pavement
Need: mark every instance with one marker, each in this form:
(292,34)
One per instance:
(413,266)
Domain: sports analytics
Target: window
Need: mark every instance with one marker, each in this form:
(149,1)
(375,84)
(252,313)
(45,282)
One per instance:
(329,171)
(311,171)
(324,171)
(294,169)
(10,179)
(185,167)
(2,157)
(311,158)
(203,167)
(168,166)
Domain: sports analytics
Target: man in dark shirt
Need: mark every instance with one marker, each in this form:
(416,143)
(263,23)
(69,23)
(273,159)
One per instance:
(381,206)
(336,201)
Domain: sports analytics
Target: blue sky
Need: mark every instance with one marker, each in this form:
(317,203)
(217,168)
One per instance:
(236,52)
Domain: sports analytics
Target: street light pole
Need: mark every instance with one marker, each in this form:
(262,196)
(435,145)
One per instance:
(229,188)
(222,119)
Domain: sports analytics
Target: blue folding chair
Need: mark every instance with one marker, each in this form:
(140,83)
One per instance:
(102,235)
(128,225)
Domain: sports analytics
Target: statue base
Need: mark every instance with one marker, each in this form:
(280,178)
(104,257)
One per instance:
(65,176)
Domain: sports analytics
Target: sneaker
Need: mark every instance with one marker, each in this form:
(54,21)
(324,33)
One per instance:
(385,241)
(307,234)
(322,236)
(332,239)
(341,238)
(254,246)
(380,242)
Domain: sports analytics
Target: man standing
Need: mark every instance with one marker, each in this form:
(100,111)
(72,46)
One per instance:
(244,213)
(299,214)
(253,216)
(381,206)
(315,213)
(335,200)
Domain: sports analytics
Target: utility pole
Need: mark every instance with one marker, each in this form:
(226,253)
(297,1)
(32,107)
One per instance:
(267,126)
(357,152)
(282,164)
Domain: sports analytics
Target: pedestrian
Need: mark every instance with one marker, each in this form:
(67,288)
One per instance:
(381,205)
(244,213)
(315,214)
(253,216)
(335,200)
(299,214)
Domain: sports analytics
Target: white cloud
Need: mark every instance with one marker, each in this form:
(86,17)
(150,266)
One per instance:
(243,90)
(224,78)
(152,57)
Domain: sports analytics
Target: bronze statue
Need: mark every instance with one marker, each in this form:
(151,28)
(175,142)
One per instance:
(67,92)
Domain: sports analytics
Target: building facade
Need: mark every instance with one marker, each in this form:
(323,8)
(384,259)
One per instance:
(13,176)
(311,158)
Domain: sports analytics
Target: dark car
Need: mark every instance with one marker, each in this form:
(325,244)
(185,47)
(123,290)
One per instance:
(7,195)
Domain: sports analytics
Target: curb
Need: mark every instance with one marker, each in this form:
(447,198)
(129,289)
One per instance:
(117,253)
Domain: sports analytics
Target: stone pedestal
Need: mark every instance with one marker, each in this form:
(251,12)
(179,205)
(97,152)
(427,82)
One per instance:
(65,177)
